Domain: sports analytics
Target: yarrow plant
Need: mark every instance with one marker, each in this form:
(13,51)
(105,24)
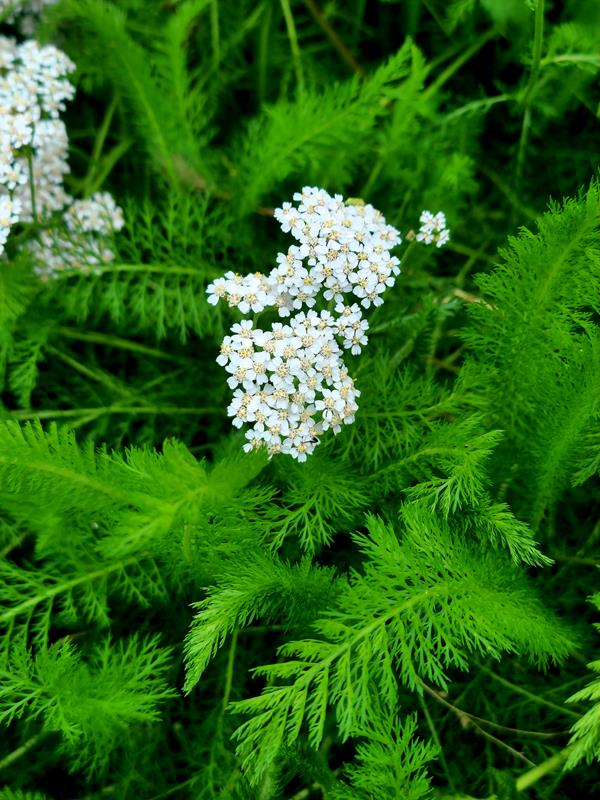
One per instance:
(290,381)
(33,141)
(367,582)
(85,241)
(33,162)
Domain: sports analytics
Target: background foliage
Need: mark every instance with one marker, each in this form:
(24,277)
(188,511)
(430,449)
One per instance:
(406,614)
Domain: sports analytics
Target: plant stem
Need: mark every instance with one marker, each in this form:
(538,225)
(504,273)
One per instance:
(538,40)
(436,739)
(10,759)
(466,715)
(121,344)
(263,54)
(294,46)
(530,695)
(99,145)
(229,673)
(32,186)
(458,62)
(531,777)
(214,33)
(93,413)
(334,37)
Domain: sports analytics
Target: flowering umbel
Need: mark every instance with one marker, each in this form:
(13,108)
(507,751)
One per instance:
(289,381)
(33,162)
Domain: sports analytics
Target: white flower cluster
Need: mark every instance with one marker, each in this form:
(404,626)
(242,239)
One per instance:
(290,382)
(34,143)
(433,229)
(90,224)
(25,12)
(33,91)
(343,249)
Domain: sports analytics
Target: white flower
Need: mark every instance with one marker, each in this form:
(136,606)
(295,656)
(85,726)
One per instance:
(433,229)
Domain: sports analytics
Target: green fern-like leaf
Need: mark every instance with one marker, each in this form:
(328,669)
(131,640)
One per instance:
(316,128)
(419,607)
(536,344)
(165,257)
(153,90)
(259,587)
(390,763)
(90,703)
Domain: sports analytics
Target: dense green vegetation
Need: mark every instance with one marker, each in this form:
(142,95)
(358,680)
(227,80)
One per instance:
(410,613)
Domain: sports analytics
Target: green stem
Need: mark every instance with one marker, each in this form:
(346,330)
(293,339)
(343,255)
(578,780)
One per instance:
(91,374)
(99,146)
(32,186)
(532,776)
(530,695)
(334,37)
(536,57)
(108,163)
(121,344)
(214,33)
(458,63)
(263,55)
(10,759)
(477,105)
(94,413)
(294,46)
(437,741)
(229,673)
(464,250)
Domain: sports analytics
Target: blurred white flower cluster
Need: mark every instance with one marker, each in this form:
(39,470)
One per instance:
(290,382)
(433,229)
(25,13)
(85,243)
(33,91)
(33,161)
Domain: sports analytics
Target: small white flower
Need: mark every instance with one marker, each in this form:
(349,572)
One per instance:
(433,229)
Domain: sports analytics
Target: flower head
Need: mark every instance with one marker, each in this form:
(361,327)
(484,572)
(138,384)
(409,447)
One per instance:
(433,229)
(289,381)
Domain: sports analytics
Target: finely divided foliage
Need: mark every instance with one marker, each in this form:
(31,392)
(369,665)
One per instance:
(295,485)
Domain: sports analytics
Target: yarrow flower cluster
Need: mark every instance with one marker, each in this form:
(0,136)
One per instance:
(87,241)
(33,90)
(343,249)
(33,161)
(289,382)
(433,229)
